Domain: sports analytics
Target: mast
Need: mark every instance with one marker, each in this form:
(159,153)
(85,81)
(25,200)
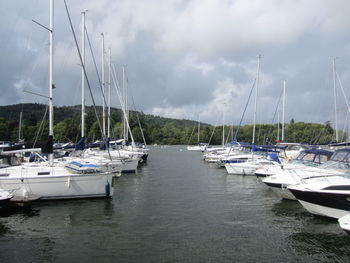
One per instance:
(51,78)
(278,126)
(335,102)
(103,87)
(19,127)
(124,108)
(82,74)
(283,107)
(126,104)
(256,97)
(199,126)
(109,94)
(223,128)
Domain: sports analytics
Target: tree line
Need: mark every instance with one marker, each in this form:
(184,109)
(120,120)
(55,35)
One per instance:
(157,130)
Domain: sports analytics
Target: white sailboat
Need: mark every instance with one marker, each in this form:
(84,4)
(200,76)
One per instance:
(51,179)
(199,147)
(249,163)
(86,158)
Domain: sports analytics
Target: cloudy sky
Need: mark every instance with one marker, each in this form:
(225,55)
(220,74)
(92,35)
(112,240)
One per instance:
(186,58)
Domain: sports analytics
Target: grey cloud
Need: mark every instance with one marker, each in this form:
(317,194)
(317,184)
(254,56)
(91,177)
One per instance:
(186,57)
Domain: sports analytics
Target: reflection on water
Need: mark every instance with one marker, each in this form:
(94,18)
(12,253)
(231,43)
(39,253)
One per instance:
(175,209)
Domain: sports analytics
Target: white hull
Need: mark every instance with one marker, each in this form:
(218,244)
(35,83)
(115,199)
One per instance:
(240,169)
(51,183)
(130,165)
(284,193)
(323,210)
(344,223)
(196,148)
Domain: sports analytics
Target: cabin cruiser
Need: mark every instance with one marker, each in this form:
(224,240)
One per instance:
(338,164)
(325,195)
(292,150)
(247,164)
(306,158)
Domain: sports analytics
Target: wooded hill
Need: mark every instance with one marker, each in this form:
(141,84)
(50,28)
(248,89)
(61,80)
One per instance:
(156,129)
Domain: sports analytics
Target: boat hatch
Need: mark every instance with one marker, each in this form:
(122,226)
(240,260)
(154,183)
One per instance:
(43,173)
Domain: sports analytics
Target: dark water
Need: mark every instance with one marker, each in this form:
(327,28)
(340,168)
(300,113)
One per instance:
(176,209)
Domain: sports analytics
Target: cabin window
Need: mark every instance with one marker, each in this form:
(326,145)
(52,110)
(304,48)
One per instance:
(339,156)
(43,173)
(323,158)
(309,157)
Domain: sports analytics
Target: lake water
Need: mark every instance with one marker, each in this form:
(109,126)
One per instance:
(175,209)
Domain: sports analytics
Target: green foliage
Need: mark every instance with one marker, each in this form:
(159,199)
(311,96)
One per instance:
(156,129)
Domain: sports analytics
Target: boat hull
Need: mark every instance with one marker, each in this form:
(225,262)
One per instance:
(281,190)
(335,205)
(240,169)
(27,189)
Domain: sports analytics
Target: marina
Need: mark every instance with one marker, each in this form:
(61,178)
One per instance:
(176,208)
(180,131)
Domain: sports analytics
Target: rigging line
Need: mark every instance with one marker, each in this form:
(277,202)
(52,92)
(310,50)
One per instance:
(189,140)
(345,126)
(116,85)
(95,66)
(40,127)
(93,57)
(246,106)
(270,131)
(342,89)
(240,122)
(212,134)
(138,120)
(87,79)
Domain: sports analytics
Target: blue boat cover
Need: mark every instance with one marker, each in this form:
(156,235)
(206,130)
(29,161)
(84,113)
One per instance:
(80,144)
(84,165)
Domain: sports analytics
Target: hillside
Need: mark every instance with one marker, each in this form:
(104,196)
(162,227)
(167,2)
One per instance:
(157,129)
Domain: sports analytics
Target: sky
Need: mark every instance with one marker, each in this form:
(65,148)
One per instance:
(187,59)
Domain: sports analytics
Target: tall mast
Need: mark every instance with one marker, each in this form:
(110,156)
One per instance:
(109,93)
(82,74)
(125,102)
(19,127)
(51,77)
(256,96)
(335,102)
(199,126)
(223,128)
(124,108)
(103,87)
(278,126)
(283,107)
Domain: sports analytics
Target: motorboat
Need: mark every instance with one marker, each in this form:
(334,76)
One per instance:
(324,195)
(292,150)
(248,163)
(338,164)
(306,158)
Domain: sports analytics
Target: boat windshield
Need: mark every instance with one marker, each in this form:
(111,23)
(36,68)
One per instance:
(306,158)
(335,165)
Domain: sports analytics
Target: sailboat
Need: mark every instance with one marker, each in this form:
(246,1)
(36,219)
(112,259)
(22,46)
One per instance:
(200,147)
(248,163)
(86,159)
(49,179)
